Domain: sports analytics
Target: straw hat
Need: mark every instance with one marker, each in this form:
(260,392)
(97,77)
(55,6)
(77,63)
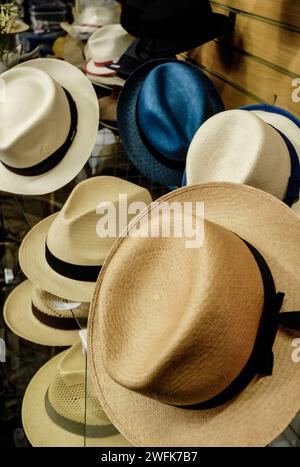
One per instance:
(259,147)
(17,27)
(156,119)
(49,126)
(93,18)
(181,339)
(43,318)
(108,111)
(53,410)
(104,47)
(68,253)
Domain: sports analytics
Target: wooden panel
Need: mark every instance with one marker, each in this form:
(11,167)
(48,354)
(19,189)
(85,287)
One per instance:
(231,96)
(256,78)
(278,46)
(284,11)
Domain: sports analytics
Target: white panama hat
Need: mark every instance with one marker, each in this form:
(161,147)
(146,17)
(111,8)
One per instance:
(49,123)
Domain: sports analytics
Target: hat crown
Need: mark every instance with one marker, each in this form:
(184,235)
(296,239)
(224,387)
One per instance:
(35,108)
(238,146)
(164,111)
(73,236)
(46,302)
(109,43)
(183,336)
(67,393)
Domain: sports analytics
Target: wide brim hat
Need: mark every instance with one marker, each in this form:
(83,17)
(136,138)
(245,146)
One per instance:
(40,430)
(131,137)
(267,405)
(19,318)
(18,27)
(82,92)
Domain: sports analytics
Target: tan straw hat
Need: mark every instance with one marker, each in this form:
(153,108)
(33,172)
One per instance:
(68,252)
(181,339)
(105,47)
(49,124)
(43,318)
(260,148)
(16,27)
(53,410)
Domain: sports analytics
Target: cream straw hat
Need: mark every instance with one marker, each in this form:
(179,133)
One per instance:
(258,148)
(49,123)
(55,412)
(43,318)
(68,253)
(104,47)
(93,18)
(187,346)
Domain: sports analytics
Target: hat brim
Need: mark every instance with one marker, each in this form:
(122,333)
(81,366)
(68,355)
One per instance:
(41,274)
(106,80)
(265,408)
(40,430)
(131,138)
(86,100)
(19,318)
(18,28)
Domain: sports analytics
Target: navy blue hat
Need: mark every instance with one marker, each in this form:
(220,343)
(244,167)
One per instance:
(161,106)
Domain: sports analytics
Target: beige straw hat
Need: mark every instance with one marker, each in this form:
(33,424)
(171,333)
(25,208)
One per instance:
(17,27)
(49,124)
(53,410)
(181,339)
(68,253)
(242,146)
(43,318)
(104,47)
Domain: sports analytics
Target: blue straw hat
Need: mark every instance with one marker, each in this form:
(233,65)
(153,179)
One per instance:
(161,106)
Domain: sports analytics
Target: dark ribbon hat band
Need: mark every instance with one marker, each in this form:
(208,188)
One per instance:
(92,431)
(54,159)
(72,271)
(63,324)
(261,360)
(171,164)
(293,189)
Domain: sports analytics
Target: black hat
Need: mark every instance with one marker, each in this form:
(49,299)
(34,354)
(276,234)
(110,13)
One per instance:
(173,26)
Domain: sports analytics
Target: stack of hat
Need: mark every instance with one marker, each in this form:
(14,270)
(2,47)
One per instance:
(62,256)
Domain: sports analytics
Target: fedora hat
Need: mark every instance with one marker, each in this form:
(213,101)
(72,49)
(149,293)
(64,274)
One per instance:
(211,364)
(103,48)
(49,123)
(161,21)
(93,18)
(160,108)
(43,318)
(256,147)
(67,249)
(60,409)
